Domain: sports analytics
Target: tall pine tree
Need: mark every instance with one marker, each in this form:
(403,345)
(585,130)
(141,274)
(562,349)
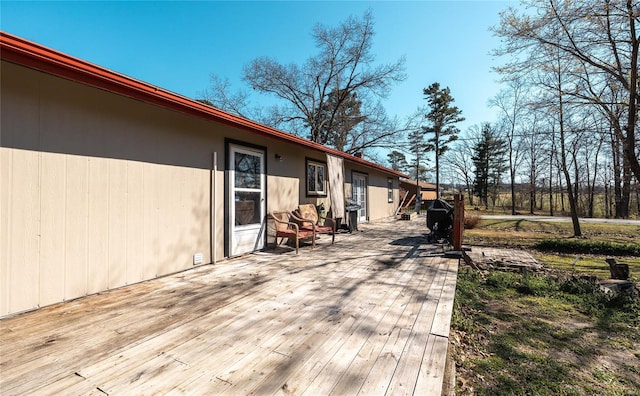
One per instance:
(339,114)
(398,161)
(489,162)
(442,119)
(418,148)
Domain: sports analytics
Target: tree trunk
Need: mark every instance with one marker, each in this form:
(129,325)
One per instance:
(607,213)
(632,113)
(437,142)
(572,199)
(592,185)
(622,183)
(576,183)
(551,202)
(618,203)
(626,191)
(532,188)
(553,149)
(638,197)
(532,199)
(562,203)
(617,171)
(588,209)
(513,193)
(512,177)
(590,198)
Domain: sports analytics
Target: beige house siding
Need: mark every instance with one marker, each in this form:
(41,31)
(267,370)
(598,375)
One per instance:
(378,205)
(78,225)
(95,194)
(99,191)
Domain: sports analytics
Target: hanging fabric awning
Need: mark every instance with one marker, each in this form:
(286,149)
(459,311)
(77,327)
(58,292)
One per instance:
(335,168)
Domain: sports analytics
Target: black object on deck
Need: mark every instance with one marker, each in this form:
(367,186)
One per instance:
(440,220)
(352,209)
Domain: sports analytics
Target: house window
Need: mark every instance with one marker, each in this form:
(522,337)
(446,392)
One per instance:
(316,178)
(390,190)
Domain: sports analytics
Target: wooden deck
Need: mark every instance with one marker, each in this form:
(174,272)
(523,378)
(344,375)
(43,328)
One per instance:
(369,315)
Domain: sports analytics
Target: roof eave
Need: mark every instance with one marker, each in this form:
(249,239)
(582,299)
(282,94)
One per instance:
(29,54)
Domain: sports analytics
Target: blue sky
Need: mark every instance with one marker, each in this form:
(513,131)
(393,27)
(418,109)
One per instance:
(177,45)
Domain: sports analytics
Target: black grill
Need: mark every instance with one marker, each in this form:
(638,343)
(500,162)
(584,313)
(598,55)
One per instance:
(352,208)
(440,220)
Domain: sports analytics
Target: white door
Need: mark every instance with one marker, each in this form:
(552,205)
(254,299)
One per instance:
(247,199)
(360,195)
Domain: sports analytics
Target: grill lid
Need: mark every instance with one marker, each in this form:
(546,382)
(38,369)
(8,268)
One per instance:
(351,205)
(440,204)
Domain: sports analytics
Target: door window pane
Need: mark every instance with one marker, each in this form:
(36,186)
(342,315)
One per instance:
(247,206)
(247,171)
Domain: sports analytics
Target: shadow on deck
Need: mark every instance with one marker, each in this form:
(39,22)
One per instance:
(368,315)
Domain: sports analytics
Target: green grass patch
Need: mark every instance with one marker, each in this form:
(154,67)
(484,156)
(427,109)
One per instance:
(552,244)
(581,246)
(548,334)
(542,334)
(584,264)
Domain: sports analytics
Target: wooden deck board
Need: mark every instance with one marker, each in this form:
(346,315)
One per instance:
(442,319)
(351,379)
(431,375)
(355,376)
(405,376)
(308,303)
(368,315)
(386,365)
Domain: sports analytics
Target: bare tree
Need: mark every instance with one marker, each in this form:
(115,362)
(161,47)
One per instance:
(591,149)
(614,114)
(599,37)
(534,140)
(317,99)
(459,159)
(510,102)
(551,81)
(564,164)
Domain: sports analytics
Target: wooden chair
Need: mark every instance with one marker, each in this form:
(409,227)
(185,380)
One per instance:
(285,228)
(307,216)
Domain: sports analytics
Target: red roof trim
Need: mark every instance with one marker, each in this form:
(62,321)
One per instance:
(26,53)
